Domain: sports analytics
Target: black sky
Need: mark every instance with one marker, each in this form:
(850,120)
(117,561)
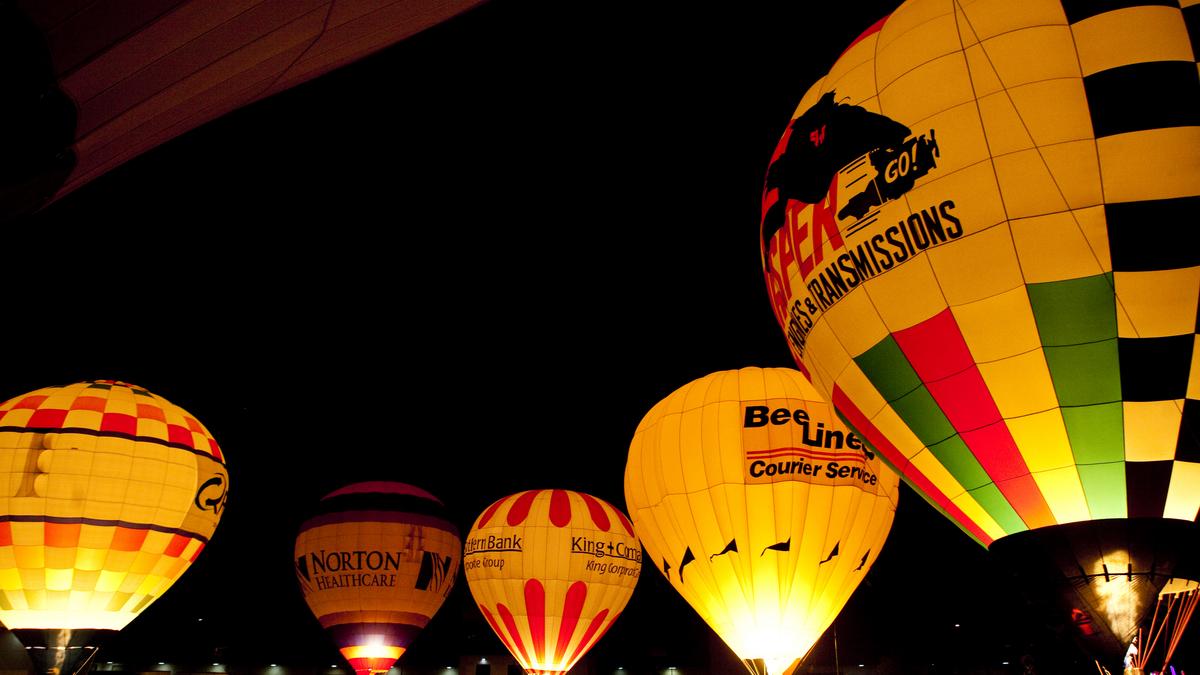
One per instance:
(471,262)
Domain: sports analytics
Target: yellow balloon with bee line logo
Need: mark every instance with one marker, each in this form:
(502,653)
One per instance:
(759,507)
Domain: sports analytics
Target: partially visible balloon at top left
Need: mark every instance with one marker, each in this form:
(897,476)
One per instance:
(108,493)
(89,85)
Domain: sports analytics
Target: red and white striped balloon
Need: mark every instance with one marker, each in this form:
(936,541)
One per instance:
(551,570)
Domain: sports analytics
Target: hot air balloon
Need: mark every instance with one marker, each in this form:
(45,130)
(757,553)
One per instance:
(551,571)
(375,563)
(976,236)
(759,507)
(90,85)
(110,493)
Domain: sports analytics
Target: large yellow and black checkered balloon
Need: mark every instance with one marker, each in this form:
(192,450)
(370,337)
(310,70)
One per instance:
(979,237)
(107,495)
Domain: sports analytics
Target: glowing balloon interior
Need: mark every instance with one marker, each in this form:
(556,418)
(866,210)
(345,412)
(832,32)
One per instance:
(976,236)
(109,493)
(759,507)
(551,571)
(375,564)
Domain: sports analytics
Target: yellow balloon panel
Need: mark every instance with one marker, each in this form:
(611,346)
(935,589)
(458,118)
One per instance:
(955,242)
(551,570)
(759,507)
(375,564)
(107,495)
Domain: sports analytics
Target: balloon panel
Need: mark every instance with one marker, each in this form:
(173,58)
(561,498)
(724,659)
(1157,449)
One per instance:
(375,564)
(759,507)
(551,570)
(139,75)
(107,495)
(975,238)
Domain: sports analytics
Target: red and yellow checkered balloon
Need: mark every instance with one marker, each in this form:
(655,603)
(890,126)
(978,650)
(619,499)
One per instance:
(108,493)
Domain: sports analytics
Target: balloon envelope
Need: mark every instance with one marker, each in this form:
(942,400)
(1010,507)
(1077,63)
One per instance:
(108,493)
(974,239)
(759,507)
(551,571)
(125,77)
(375,563)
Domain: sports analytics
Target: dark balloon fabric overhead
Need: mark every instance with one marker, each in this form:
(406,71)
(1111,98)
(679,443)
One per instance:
(127,77)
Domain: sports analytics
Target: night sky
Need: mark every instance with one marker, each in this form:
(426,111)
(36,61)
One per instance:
(471,262)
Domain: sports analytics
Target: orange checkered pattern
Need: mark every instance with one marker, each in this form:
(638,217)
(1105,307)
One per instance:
(107,495)
(106,408)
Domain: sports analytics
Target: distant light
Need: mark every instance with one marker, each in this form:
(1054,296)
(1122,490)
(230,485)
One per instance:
(274,666)
(200,619)
(483,660)
(956,625)
(161,663)
(1004,663)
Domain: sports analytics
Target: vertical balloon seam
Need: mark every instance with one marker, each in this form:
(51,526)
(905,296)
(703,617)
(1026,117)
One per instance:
(786,566)
(710,383)
(609,608)
(834,591)
(1007,223)
(1054,181)
(576,601)
(875,62)
(792,564)
(593,622)
(667,522)
(844,536)
(921,380)
(740,527)
(703,568)
(677,526)
(808,598)
(787,563)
